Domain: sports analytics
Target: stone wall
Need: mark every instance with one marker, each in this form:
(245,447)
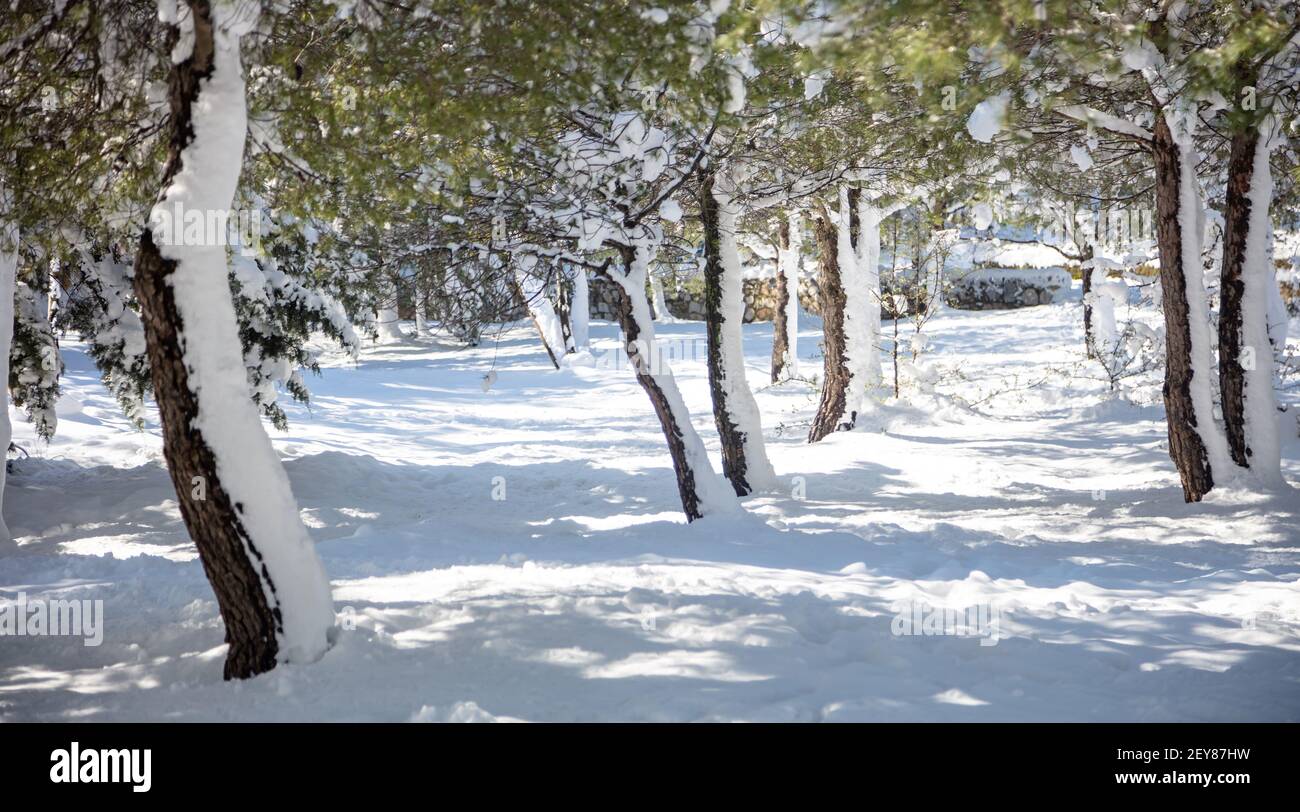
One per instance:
(1005,289)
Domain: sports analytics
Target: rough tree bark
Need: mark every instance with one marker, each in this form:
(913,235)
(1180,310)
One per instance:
(1232,288)
(1084,256)
(1248,282)
(735,412)
(732,439)
(835,378)
(563,303)
(256,608)
(8,280)
(699,487)
(1186,446)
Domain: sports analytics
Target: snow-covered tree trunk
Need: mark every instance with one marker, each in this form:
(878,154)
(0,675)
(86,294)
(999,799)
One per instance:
(1085,278)
(735,411)
(702,491)
(8,280)
(234,494)
(835,378)
(580,310)
(563,306)
(660,301)
(856,322)
(417,299)
(531,294)
(1197,445)
(388,325)
(1100,300)
(870,217)
(785,325)
(1245,351)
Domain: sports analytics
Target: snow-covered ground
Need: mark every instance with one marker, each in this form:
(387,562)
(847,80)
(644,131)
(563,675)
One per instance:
(519,553)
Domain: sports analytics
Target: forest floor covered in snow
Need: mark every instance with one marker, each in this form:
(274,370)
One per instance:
(584,595)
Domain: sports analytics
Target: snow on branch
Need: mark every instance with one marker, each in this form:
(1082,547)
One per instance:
(1105,121)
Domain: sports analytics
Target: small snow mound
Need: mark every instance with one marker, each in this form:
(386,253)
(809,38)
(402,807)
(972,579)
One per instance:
(956,696)
(581,358)
(459,712)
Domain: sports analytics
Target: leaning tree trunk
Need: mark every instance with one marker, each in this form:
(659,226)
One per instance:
(540,315)
(780,330)
(835,379)
(1245,352)
(234,495)
(744,459)
(1193,444)
(702,492)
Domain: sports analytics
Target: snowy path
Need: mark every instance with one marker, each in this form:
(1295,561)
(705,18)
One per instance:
(582,595)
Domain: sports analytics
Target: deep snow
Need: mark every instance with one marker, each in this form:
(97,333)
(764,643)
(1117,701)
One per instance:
(583,595)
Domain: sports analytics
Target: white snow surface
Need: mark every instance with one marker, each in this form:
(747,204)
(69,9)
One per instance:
(584,595)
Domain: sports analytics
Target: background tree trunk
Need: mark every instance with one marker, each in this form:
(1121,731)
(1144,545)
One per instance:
(418,297)
(580,310)
(563,304)
(835,379)
(780,337)
(530,306)
(1086,276)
